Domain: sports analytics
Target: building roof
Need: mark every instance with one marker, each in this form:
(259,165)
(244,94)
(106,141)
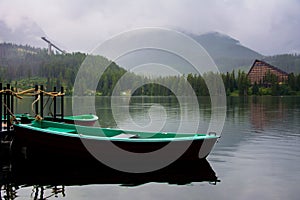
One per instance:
(267,64)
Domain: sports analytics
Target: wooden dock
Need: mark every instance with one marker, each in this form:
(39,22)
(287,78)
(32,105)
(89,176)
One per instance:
(7,116)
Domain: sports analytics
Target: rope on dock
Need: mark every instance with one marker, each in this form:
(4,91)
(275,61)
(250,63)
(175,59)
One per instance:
(32,105)
(9,91)
(31,92)
(13,117)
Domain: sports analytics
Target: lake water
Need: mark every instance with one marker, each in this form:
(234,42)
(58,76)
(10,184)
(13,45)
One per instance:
(257,156)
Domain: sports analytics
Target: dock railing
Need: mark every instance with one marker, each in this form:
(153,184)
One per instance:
(8,95)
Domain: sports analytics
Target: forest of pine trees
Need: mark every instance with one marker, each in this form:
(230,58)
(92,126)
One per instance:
(25,66)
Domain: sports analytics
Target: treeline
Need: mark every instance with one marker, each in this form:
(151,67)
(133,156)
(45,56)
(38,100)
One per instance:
(25,66)
(287,62)
(270,85)
(236,84)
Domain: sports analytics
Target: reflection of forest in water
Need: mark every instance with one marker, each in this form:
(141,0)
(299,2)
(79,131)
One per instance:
(140,110)
(270,111)
(260,110)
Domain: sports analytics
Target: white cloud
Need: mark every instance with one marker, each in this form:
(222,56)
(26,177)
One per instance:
(270,26)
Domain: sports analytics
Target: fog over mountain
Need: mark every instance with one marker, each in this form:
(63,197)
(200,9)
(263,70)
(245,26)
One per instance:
(227,52)
(28,33)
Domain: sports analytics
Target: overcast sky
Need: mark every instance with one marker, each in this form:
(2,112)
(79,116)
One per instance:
(267,26)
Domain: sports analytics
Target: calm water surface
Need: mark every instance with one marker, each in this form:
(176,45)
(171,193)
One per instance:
(257,157)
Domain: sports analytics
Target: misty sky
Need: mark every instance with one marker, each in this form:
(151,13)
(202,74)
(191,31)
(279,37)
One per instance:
(267,26)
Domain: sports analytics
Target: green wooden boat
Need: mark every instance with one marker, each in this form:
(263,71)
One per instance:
(68,139)
(83,120)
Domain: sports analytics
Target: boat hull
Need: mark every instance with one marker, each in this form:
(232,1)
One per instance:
(33,143)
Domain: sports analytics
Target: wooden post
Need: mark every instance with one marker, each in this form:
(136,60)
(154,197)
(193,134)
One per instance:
(1,106)
(8,107)
(36,88)
(12,101)
(62,103)
(42,101)
(54,105)
(4,108)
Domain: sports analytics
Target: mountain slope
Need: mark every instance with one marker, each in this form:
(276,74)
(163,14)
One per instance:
(286,62)
(227,52)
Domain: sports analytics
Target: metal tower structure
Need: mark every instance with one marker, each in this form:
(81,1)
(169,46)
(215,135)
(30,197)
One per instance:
(50,45)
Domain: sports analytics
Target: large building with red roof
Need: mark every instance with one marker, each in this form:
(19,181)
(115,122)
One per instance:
(260,69)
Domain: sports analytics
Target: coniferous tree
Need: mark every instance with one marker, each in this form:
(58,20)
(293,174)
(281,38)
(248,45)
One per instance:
(255,89)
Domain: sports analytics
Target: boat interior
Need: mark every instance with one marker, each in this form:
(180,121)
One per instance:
(104,132)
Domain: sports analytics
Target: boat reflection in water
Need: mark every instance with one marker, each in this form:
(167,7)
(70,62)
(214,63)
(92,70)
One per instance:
(52,177)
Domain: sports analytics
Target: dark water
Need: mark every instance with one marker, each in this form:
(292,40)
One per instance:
(257,157)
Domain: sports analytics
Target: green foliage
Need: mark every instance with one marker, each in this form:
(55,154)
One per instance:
(255,89)
(24,67)
(29,66)
(243,83)
(265,91)
(270,78)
